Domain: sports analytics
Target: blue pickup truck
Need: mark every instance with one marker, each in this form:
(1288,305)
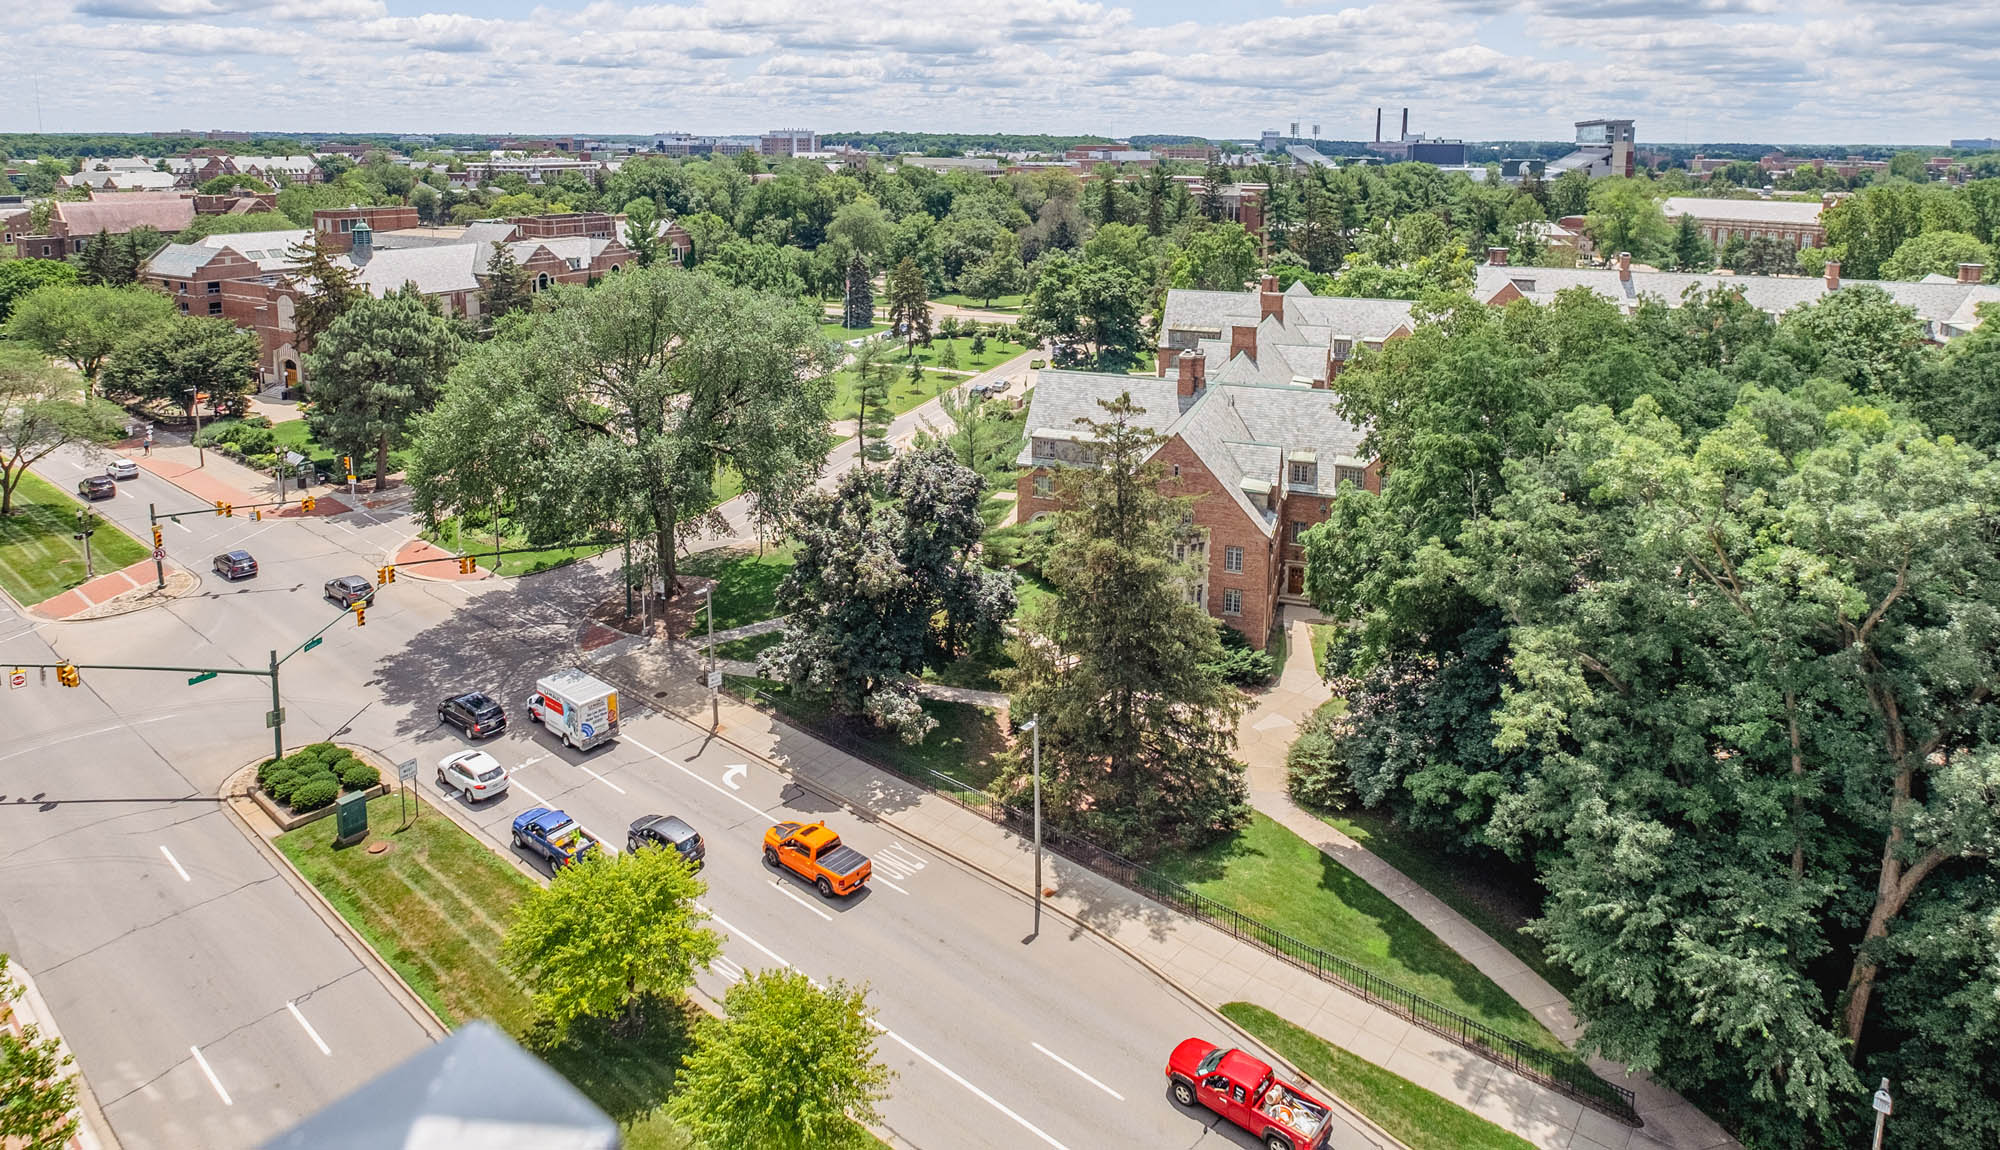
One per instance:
(554,836)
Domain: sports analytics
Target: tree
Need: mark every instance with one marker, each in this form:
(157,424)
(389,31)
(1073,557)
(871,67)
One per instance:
(872,413)
(979,434)
(642,230)
(1212,182)
(948,355)
(1764,256)
(997,275)
(19,277)
(909,304)
(37,1092)
(609,933)
(504,287)
(1088,308)
(185,359)
(858,309)
(98,264)
(1937,253)
(380,364)
(1220,257)
(325,288)
(41,411)
(1625,217)
(614,410)
(82,325)
(1136,726)
(790,1065)
(1691,251)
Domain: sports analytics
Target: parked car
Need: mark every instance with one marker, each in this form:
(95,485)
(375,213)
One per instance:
(667,831)
(97,487)
(475,775)
(475,713)
(349,590)
(999,386)
(1246,1091)
(122,469)
(234,565)
(817,855)
(554,836)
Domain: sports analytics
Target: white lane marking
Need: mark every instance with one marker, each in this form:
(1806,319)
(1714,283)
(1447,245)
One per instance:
(87,734)
(212,1079)
(321,1043)
(730,971)
(525,763)
(182,526)
(78,466)
(539,800)
(903,857)
(731,773)
(178,868)
(1073,1068)
(711,784)
(602,779)
(887,883)
(802,902)
(900,1040)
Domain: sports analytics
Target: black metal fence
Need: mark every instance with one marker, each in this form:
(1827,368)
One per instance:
(1558,1072)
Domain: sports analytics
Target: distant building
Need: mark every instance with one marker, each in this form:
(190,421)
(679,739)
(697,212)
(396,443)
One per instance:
(74,223)
(1795,222)
(788,142)
(1989,144)
(1414,147)
(1192,153)
(1272,140)
(1603,148)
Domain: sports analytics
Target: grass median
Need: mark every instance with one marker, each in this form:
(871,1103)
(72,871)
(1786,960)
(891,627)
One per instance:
(961,746)
(1418,1118)
(38,557)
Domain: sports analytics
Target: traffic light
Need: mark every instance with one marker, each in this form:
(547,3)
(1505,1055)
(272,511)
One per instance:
(221,508)
(67,675)
(361,614)
(308,503)
(467,565)
(256,515)
(158,539)
(385,575)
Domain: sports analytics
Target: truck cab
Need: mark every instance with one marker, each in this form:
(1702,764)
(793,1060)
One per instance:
(1246,1091)
(817,855)
(554,836)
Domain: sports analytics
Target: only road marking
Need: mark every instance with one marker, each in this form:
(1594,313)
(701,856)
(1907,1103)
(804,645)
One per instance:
(802,902)
(1074,1069)
(732,773)
(178,868)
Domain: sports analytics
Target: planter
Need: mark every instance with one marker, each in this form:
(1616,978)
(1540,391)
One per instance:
(287,821)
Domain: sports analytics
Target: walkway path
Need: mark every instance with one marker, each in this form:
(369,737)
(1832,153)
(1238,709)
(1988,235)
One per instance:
(972,695)
(700,641)
(1207,964)
(100,590)
(1265,733)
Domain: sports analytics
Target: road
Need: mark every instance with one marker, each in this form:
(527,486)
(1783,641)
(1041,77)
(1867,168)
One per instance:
(998,1041)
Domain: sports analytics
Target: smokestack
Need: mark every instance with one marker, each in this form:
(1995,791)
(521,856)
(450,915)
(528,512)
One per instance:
(1378,125)
(1833,275)
(1406,124)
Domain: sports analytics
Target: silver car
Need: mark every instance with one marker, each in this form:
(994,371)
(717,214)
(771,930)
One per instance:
(122,469)
(475,775)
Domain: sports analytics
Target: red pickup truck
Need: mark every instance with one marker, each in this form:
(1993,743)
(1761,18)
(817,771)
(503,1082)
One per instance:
(1244,1090)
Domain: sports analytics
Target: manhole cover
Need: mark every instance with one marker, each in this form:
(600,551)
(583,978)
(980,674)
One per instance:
(659,694)
(378,848)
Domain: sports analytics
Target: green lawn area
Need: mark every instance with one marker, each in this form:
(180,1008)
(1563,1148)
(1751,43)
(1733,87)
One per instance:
(746,583)
(1000,302)
(296,435)
(1419,1119)
(435,906)
(834,330)
(1322,637)
(1475,888)
(961,746)
(1030,590)
(1280,879)
(38,559)
(480,539)
(903,395)
(997,351)
(748,649)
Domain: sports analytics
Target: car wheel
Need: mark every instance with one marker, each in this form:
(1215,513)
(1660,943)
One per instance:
(1277,1142)
(825,888)
(770,857)
(1183,1093)
(518,840)
(442,785)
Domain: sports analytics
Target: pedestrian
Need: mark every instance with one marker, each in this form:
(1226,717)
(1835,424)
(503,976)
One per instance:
(149,443)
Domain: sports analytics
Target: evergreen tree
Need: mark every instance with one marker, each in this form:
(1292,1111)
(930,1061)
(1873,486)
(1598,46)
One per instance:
(383,361)
(948,355)
(326,288)
(1119,666)
(1156,202)
(859,310)
(504,286)
(1107,196)
(98,263)
(1691,251)
(642,230)
(909,304)
(1212,183)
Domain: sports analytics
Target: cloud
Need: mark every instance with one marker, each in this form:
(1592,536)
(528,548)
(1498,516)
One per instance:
(286,10)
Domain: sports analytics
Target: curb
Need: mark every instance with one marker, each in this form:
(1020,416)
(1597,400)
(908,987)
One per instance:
(34,612)
(93,1129)
(1386,1140)
(235,800)
(489,576)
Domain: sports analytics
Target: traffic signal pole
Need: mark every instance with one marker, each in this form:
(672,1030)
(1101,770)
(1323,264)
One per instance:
(159,552)
(277,713)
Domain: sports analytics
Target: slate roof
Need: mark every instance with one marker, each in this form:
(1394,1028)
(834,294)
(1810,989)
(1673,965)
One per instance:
(265,249)
(1793,213)
(122,213)
(435,270)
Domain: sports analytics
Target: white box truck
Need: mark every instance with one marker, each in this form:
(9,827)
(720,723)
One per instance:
(580,710)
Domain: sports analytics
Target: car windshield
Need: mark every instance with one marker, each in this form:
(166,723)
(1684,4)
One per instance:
(479,704)
(489,774)
(1208,1064)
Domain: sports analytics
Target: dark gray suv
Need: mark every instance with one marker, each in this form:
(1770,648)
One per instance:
(234,565)
(349,590)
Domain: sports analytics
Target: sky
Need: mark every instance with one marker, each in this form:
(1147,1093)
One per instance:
(1689,71)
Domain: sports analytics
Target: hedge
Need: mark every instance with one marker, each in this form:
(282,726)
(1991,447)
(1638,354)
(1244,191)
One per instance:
(313,776)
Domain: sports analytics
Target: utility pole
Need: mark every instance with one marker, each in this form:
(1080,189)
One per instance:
(83,530)
(714,677)
(1034,726)
(277,713)
(159,563)
(1883,1104)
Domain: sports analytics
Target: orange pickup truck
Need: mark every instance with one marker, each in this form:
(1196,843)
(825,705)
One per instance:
(817,855)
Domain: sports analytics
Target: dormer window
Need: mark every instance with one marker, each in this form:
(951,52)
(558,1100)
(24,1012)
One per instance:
(1304,474)
(1342,476)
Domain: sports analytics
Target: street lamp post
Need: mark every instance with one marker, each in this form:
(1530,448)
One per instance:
(714,698)
(1034,726)
(1883,1105)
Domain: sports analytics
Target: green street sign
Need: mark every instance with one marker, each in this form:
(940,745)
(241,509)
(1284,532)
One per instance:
(312,642)
(204,677)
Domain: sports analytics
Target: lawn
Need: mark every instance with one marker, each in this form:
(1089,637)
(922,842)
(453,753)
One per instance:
(745,650)
(1418,1118)
(1000,302)
(435,906)
(746,583)
(1322,638)
(1280,879)
(997,351)
(480,539)
(961,746)
(903,395)
(38,559)
(296,435)
(1478,889)
(843,334)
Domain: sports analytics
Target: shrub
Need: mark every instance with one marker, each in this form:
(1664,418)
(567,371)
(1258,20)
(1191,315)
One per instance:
(356,775)
(319,752)
(1315,772)
(250,439)
(1023,545)
(284,782)
(1242,664)
(314,793)
(269,770)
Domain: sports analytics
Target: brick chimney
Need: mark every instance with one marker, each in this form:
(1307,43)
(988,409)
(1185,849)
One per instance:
(1833,275)
(1497,257)
(1625,266)
(1270,301)
(1243,341)
(1971,273)
(1193,368)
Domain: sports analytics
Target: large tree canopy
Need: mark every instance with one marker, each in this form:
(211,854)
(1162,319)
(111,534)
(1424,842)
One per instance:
(379,364)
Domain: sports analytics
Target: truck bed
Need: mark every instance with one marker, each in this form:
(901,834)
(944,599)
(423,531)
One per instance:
(842,860)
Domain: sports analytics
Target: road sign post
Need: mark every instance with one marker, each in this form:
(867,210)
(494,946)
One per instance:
(1883,1106)
(406,773)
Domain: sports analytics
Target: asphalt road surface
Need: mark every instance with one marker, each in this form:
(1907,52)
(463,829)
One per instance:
(208,1006)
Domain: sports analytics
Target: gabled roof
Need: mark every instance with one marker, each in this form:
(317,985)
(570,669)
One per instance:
(119,214)
(435,270)
(1063,400)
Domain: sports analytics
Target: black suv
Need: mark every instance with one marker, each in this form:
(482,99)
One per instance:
(474,713)
(97,487)
(667,831)
(349,590)
(234,565)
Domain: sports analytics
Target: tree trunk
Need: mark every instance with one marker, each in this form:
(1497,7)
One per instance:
(8,481)
(382,462)
(1893,888)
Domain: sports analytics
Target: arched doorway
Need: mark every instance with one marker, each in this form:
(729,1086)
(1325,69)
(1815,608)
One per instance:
(291,373)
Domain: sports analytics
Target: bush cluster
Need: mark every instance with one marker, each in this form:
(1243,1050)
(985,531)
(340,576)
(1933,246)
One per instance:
(1242,664)
(313,776)
(1315,770)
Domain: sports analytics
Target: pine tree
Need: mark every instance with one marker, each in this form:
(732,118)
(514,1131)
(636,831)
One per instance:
(871,396)
(99,262)
(909,304)
(506,286)
(326,288)
(860,309)
(1691,251)
(1137,726)
(1212,183)
(1156,202)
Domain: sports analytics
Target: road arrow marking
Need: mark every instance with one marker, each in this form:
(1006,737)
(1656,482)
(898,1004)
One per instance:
(731,773)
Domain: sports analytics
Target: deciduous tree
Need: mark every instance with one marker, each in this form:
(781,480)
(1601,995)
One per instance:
(184,357)
(1089,309)
(909,303)
(37,1092)
(19,277)
(82,325)
(380,364)
(43,409)
(642,230)
(1220,257)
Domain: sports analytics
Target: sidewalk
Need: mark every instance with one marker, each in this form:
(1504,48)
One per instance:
(103,589)
(435,563)
(223,480)
(93,1131)
(1207,964)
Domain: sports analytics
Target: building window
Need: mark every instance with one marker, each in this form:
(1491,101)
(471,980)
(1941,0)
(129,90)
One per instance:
(1232,602)
(1342,476)
(1304,474)
(1045,486)
(80,244)
(1297,528)
(1177,471)
(184,307)
(1232,560)
(215,307)
(542,282)
(215,287)
(1196,593)
(45,249)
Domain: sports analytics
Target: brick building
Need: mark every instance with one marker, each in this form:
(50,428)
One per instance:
(1263,463)
(788,142)
(1795,222)
(1267,336)
(74,223)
